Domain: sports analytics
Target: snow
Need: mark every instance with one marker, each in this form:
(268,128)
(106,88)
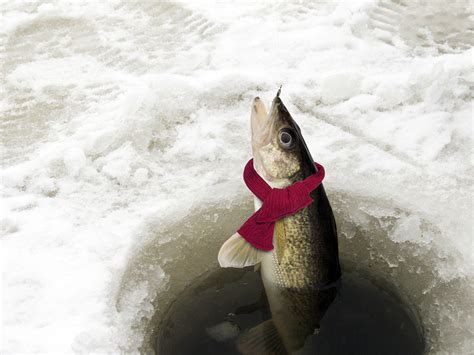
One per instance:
(339,87)
(120,119)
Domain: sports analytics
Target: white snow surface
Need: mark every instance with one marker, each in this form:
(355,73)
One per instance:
(115,114)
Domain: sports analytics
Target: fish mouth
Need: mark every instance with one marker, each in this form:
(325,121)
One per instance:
(263,121)
(265,125)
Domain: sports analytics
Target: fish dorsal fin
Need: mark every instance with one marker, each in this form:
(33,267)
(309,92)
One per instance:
(261,339)
(237,252)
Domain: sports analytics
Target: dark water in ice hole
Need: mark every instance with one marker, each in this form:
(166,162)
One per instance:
(363,319)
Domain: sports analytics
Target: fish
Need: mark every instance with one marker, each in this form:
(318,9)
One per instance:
(300,274)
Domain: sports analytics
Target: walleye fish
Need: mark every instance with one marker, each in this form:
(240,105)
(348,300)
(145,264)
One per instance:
(300,273)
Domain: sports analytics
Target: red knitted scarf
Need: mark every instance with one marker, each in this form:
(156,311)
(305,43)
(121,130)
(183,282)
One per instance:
(276,203)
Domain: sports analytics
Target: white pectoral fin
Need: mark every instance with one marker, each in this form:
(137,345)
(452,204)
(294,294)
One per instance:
(237,252)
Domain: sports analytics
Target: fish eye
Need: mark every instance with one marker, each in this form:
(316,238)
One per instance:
(286,138)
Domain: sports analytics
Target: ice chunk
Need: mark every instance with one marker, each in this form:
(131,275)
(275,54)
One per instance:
(74,160)
(223,331)
(7,226)
(340,86)
(407,229)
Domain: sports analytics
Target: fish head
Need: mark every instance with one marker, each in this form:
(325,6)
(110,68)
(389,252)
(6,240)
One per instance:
(279,150)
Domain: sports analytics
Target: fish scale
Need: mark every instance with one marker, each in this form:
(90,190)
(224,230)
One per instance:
(295,255)
(292,257)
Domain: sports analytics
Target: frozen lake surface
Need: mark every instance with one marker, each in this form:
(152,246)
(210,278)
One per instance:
(125,129)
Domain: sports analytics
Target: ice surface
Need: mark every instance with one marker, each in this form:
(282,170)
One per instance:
(119,119)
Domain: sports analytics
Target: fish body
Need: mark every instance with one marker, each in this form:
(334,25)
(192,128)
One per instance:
(299,273)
